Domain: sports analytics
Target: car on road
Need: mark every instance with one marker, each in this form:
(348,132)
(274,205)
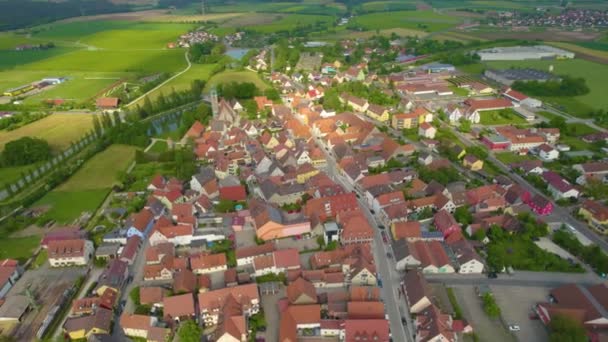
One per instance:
(389,255)
(381,226)
(514,327)
(384,238)
(492,275)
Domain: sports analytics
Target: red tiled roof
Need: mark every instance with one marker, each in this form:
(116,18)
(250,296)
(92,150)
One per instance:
(178,306)
(233,193)
(405,230)
(357,330)
(66,248)
(107,102)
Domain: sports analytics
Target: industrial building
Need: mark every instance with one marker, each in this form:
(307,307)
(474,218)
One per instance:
(508,76)
(520,53)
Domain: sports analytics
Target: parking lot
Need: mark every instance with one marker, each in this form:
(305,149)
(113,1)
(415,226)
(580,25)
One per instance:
(472,310)
(516,303)
(47,285)
(271,313)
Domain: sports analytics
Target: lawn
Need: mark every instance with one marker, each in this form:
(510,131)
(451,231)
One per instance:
(287,22)
(143,174)
(66,206)
(79,88)
(18,248)
(238,76)
(459,91)
(595,74)
(58,129)
(100,172)
(10,174)
(421,20)
(9,41)
(10,59)
(510,157)
(501,117)
(159,147)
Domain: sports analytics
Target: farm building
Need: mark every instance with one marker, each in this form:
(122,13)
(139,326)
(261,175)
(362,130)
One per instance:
(520,53)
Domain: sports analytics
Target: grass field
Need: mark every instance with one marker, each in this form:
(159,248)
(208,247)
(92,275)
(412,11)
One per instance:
(380,6)
(8,41)
(286,22)
(10,59)
(10,174)
(159,147)
(594,49)
(100,172)
(502,117)
(237,76)
(420,20)
(66,206)
(183,81)
(19,248)
(58,129)
(510,157)
(88,187)
(595,74)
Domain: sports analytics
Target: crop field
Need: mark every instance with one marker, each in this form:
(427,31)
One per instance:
(237,76)
(286,22)
(419,20)
(306,7)
(8,41)
(381,6)
(100,172)
(10,59)
(595,74)
(593,51)
(58,129)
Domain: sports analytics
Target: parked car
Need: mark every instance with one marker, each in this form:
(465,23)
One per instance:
(514,327)
(389,255)
(492,275)
(381,226)
(384,238)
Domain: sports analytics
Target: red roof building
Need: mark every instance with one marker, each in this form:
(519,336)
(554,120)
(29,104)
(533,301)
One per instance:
(445,223)
(107,102)
(233,193)
(356,330)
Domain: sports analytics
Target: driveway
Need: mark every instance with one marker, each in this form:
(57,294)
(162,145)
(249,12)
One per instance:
(515,303)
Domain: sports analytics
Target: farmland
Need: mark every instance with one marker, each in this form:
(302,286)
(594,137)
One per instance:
(87,188)
(58,129)
(595,75)
(419,20)
(183,81)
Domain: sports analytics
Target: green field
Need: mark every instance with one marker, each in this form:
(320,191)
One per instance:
(501,117)
(11,174)
(286,22)
(237,76)
(183,81)
(88,187)
(58,129)
(159,146)
(379,6)
(510,157)
(20,248)
(66,206)
(100,172)
(595,74)
(420,20)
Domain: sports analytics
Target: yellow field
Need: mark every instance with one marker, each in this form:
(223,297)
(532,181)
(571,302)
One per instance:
(58,129)
(580,49)
(175,18)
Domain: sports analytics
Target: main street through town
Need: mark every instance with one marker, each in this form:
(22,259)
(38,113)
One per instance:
(395,304)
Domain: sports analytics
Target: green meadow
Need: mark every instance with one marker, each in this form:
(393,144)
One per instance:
(422,20)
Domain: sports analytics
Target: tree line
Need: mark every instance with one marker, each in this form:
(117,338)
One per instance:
(566,86)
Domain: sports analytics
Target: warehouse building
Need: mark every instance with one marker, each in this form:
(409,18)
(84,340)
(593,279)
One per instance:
(508,76)
(520,53)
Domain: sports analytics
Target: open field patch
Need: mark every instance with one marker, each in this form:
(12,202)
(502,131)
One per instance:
(595,74)
(500,117)
(183,81)
(420,20)
(592,51)
(237,76)
(286,22)
(10,59)
(67,206)
(58,129)
(101,171)
(20,248)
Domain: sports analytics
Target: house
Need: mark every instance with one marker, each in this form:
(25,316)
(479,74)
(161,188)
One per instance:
(416,290)
(280,261)
(522,99)
(355,228)
(140,223)
(330,206)
(472,162)
(596,214)
(592,170)
(559,187)
(296,318)
(434,325)
(271,223)
(469,261)
(540,205)
(179,308)
(409,230)
(151,295)
(245,298)
(246,255)
(358,104)
(356,330)
(76,252)
(142,326)
(10,271)
(203,264)
(405,257)
(547,153)
(129,251)
(432,256)
(106,103)
(426,130)
(445,223)
(377,112)
(194,132)
(301,291)
(84,326)
(233,193)
(585,305)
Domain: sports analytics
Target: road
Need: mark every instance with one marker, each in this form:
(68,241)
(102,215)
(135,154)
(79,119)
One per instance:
(395,305)
(163,83)
(519,278)
(559,215)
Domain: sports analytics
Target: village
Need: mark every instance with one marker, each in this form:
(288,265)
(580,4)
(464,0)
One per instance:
(340,217)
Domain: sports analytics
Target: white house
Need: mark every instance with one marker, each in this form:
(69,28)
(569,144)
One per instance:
(547,153)
(75,252)
(426,130)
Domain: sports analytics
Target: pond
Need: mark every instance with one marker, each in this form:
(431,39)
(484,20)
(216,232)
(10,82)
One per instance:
(236,53)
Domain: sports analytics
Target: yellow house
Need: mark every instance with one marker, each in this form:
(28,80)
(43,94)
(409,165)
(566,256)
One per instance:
(83,327)
(305,172)
(404,121)
(358,104)
(378,113)
(596,215)
(364,278)
(472,162)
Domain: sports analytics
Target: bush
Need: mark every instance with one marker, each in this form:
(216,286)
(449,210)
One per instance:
(489,306)
(25,151)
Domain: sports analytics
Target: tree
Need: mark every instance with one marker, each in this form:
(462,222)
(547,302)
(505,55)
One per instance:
(189,331)
(25,151)
(463,215)
(565,329)
(489,306)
